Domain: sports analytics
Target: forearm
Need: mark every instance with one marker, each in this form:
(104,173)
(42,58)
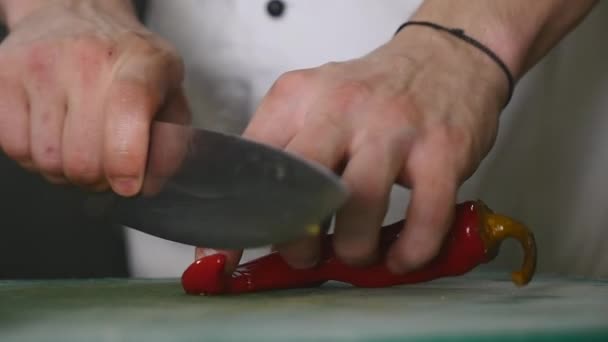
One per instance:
(12,11)
(520,32)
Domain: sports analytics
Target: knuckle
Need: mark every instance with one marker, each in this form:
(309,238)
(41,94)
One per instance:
(13,105)
(330,66)
(419,254)
(169,59)
(39,62)
(159,54)
(92,47)
(145,43)
(48,160)
(92,55)
(290,82)
(17,151)
(456,147)
(369,190)
(355,253)
(403,111)
(440,146)
(348,94)
(456,135)
(354,89)
(446,134)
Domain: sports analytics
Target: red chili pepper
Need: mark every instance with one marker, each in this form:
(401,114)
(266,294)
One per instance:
(475,238)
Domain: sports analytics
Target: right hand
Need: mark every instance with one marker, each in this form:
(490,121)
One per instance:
(80,83)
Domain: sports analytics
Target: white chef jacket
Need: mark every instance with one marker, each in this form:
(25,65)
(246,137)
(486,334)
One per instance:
(548,167)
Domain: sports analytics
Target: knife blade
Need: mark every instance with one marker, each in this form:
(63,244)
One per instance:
(218,190)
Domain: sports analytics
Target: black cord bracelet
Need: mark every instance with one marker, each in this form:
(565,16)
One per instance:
(460,34)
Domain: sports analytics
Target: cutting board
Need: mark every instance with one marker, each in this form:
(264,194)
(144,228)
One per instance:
(474,307)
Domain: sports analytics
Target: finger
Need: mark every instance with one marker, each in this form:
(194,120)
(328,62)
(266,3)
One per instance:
(56,180)
(140,85)
(303,253)
(168,147)
(81,140)
(429,215)
(130,108)
(369,175)
(269,124)
(233,257)
(328,152)
(14,123)
(47,117)
(268,127)
(176,109)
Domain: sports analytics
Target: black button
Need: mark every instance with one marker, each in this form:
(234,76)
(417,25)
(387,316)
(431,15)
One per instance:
(275,8)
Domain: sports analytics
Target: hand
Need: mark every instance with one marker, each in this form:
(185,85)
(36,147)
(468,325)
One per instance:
(80,83)
(421,111)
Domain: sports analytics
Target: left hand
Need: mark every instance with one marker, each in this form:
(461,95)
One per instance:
(420,111)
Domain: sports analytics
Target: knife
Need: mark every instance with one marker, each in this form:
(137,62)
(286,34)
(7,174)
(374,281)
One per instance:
(218,190)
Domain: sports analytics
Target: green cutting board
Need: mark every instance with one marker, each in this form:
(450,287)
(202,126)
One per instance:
(478,306)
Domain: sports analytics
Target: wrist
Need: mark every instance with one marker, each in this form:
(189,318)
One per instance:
(14,11)
(441,52)
(492,24)
(519,32)
(460,34)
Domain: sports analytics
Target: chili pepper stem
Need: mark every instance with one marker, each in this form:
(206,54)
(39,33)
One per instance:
(497,228)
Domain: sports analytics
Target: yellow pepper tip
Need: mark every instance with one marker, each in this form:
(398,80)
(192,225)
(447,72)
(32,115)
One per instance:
(313,229)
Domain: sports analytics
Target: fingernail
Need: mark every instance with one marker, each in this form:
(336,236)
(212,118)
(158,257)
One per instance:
(126,186)
(210,251)
(397,265)
(394,266)
(203,252)
(304,262)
